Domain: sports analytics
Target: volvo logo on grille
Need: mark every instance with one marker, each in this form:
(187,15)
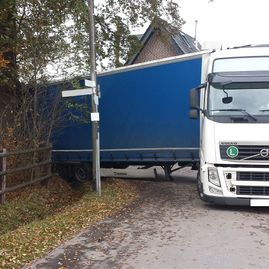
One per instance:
(264,153)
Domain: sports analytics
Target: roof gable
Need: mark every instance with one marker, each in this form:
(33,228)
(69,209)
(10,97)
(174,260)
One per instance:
(182,42)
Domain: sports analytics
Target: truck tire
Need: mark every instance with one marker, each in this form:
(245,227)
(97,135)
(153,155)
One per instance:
(65,172)
(82,172)
(200,187)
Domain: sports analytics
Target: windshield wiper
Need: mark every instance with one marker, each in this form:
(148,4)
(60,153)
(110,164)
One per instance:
(264,110)
(237,109)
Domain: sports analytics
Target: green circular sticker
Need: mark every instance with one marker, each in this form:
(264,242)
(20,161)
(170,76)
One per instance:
(232,152)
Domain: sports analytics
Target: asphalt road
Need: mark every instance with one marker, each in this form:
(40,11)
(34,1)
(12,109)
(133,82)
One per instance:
(169,227)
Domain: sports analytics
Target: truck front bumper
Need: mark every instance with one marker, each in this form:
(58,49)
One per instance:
(227,200)
(243,186)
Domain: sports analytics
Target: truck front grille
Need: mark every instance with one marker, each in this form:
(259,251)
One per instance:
(250,190)
(246,152)
(253,176)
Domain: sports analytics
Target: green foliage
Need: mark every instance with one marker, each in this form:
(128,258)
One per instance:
(7,45)
(79,111)
(40,39)
(49,32)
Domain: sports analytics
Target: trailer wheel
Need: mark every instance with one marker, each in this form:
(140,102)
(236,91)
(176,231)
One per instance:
(82,172)
(200,187)
(65,172)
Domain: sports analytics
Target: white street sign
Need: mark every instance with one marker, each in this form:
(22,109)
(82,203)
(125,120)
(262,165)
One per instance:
(71,93)
(95,117)
(90,83)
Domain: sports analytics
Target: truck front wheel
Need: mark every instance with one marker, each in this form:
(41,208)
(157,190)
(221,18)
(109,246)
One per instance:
(200,187)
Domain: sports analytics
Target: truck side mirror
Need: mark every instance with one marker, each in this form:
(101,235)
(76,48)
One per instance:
(194,98)
(193,114)
(194,103)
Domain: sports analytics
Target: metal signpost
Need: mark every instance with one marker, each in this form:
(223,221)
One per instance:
(92,90)
(95,121)
(94,103)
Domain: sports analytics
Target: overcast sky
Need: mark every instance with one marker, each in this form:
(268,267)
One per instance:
(227,22)
(224,22)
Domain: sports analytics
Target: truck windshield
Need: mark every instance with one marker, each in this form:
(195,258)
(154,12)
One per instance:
(247,102)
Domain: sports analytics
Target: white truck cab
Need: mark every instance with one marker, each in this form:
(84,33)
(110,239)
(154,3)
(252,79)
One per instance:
(234,127)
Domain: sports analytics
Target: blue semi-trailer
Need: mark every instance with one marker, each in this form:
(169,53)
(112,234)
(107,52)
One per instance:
(144,119)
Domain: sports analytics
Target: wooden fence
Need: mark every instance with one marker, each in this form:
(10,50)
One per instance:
(43,163)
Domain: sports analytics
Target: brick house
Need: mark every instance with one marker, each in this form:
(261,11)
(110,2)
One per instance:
(160,42)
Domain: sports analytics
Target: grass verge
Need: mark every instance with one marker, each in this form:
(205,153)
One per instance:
(20,245)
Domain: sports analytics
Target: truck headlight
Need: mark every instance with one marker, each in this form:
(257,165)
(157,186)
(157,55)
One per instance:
(213,176)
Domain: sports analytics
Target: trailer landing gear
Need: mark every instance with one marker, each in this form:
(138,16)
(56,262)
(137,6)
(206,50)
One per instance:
(168,171)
